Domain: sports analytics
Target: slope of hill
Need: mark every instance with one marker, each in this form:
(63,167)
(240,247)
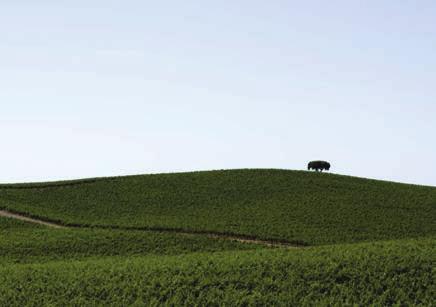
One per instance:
(294,206)
(126,259)
(29,243)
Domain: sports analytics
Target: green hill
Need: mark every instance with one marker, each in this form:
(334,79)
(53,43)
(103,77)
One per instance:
(168,239)
(293,206)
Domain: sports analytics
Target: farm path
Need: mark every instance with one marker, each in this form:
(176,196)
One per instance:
(241,239)
(20,217)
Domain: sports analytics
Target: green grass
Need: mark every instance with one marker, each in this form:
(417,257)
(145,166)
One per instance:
(8,226)
(28,243)
(370,242)
(269,204)
(384,273)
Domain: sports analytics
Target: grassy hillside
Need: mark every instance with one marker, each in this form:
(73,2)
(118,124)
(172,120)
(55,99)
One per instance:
(29,243)
(118,263)
(295,206)
(383,274)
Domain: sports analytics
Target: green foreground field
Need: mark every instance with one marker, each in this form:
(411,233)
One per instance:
(365,242)
(383,273)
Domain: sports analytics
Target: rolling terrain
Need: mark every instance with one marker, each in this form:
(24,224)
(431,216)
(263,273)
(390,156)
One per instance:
(299,207)
(218,237)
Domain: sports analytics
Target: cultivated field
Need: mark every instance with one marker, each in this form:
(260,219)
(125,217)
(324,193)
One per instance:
(234,237)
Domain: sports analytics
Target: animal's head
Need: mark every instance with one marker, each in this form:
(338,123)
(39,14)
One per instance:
(327,166)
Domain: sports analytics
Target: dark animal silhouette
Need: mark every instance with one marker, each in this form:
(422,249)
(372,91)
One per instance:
(318,166)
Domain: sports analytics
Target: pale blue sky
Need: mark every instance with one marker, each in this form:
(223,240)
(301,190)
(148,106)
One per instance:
(127,87)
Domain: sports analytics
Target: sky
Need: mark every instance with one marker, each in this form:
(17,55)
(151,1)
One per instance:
(105,88)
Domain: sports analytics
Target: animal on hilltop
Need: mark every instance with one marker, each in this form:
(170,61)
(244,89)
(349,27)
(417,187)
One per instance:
(318,166)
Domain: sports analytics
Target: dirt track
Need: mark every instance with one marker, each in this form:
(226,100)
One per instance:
(4,213)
